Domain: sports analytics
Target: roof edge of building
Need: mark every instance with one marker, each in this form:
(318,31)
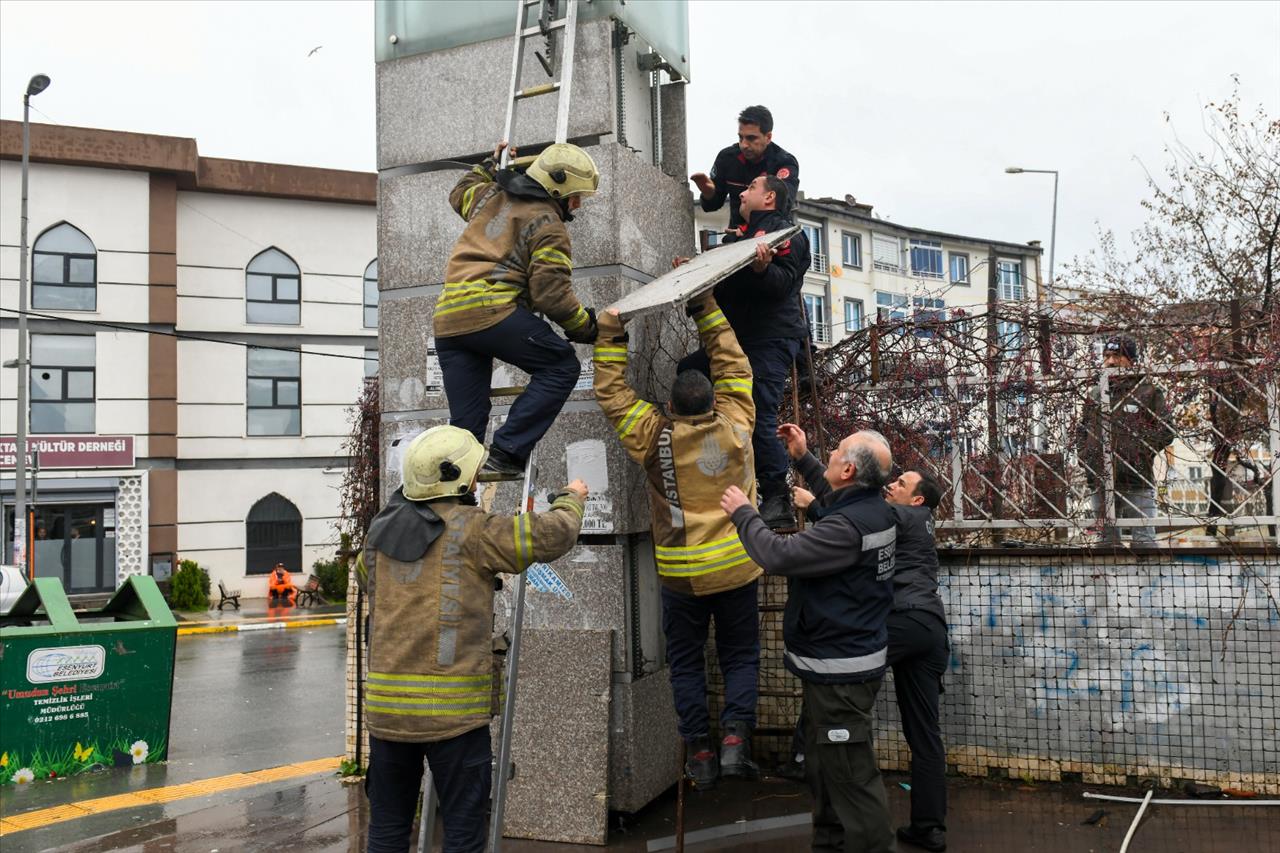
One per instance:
(1032,247)
(177,155)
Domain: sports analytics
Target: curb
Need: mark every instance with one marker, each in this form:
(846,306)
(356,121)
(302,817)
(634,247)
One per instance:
(259,626)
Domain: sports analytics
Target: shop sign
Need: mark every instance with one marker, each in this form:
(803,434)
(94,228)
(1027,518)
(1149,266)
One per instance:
(70,451)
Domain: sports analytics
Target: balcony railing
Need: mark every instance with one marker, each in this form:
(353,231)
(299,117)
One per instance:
(818,263)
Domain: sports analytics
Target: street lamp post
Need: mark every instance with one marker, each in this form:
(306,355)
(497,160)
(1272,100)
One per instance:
(1053,232)
(35,86)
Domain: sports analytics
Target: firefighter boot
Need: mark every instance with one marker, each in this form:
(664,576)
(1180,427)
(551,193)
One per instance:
(702,768)
(500,465)
(735,751)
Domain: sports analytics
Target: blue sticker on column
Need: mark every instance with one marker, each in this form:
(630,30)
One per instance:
(543,578)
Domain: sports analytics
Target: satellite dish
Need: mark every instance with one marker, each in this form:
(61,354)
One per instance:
(850,200)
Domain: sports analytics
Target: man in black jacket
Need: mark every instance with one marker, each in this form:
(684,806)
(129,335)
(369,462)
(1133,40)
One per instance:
(839,595)
(918,649)
(762,304)
(736,166)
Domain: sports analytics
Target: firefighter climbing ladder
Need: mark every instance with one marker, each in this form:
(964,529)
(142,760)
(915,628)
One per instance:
(556,31)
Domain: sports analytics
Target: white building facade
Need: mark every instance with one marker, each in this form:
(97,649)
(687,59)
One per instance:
(864,267)
(199,329)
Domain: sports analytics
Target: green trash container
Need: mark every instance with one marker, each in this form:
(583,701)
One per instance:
(84,690)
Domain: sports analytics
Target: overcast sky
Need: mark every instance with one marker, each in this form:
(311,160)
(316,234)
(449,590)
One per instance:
(915,109)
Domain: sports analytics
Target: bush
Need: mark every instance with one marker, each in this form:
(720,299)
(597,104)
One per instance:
(189,587)
(332,575)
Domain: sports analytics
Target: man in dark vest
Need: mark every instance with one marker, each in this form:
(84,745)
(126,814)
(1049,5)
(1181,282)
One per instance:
(839,595)
(918,650)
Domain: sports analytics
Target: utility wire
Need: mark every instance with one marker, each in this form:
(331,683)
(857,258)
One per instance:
(183,336)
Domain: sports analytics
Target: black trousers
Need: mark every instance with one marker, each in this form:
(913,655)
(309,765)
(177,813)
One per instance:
(771,362)
(685,621)
(850,807)
(918,653)
(531,345)
(461,770)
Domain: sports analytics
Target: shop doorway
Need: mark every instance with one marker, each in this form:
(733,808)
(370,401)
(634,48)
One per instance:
(75,543)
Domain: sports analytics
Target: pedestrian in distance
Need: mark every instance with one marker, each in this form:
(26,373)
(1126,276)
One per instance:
(428,566)
(514,259)
(918,647)
(280,588)
(736,166)
(691,450)
(762,304)
(1140,428)
(839,594)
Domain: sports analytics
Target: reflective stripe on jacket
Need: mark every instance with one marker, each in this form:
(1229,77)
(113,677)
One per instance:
(431,665)
(688,460)
(514,250)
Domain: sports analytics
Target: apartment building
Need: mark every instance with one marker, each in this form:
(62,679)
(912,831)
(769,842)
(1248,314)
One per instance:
(199,329)
(865,268)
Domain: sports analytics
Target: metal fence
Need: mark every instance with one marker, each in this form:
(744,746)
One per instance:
(1032,438)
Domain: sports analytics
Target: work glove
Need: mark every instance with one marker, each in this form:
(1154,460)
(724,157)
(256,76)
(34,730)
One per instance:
(696,305)
(587,332)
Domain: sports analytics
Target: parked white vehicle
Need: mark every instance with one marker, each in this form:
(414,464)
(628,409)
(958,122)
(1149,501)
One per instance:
(12,583)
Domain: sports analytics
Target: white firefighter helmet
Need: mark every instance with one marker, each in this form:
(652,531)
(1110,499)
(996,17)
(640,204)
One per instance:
(441,463)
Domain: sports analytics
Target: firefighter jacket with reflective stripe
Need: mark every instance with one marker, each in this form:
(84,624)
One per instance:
(839,585)
(431,665)
(733,173)
(688,460)
(514,251)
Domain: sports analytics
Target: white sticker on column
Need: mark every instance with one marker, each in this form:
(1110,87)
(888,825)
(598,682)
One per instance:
(501,377)
(395,456)
(435,376)
(587,376)
(586,460)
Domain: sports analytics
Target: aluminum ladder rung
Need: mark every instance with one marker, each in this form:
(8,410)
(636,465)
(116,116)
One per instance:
(530,32)
(535,91)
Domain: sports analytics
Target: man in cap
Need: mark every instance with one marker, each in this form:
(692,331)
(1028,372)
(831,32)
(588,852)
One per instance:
(1139,423)
(429,566)
(512,260)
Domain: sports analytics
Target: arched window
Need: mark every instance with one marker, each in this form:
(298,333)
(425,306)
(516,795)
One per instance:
(371,295)
(64,270)
(273,289)
(273,534)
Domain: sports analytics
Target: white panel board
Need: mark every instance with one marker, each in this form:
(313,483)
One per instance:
(698,276)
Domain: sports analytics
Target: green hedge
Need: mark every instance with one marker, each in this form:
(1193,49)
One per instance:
(333,578)
(189,587)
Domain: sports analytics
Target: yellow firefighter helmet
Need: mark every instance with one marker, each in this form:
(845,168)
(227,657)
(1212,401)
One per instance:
(564,170)
(441,463)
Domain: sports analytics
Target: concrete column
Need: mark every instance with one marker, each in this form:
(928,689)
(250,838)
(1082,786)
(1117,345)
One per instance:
(595,727)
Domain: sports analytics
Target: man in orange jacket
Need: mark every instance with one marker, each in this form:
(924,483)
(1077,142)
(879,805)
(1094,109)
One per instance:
(280,588)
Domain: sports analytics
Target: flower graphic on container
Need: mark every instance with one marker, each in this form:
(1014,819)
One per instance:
(23,776)
(139,751)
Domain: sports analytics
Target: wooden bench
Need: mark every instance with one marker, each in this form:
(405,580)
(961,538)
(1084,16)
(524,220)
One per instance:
(228,597)
(310,595)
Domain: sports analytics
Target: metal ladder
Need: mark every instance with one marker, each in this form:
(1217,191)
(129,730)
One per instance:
(551,29)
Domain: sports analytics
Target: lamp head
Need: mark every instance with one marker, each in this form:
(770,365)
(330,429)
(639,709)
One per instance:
(38,84)
(1013,170)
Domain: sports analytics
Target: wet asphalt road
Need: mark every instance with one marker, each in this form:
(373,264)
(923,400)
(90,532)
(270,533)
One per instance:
(241,702)
(257,699)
